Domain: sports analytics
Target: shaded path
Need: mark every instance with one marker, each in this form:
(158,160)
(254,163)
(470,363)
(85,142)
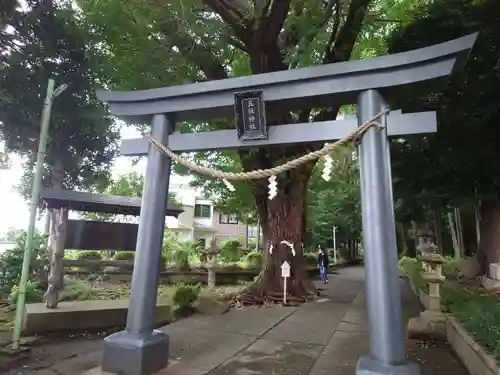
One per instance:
(319,338)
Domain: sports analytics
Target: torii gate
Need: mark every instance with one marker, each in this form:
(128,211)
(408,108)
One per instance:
(140,350)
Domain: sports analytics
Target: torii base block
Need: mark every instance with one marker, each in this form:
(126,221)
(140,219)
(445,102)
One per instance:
(371,366)
(129,353)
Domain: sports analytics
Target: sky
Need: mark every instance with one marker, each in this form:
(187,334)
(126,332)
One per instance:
(14,211)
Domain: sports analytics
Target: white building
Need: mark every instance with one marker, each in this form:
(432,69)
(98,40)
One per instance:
(200,222)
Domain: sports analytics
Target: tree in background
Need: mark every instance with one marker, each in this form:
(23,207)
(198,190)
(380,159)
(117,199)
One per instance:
(44,42)
(459,163)
(146,45)
(336,202)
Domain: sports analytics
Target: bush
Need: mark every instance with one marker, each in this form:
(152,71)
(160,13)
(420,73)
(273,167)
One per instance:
(412,268)
(478,313)
(255,258)
(11,262)
(124,255)
(88,255)
(179,252)
(34,292)
(230,251)
(453,268)
(252,244)
(74,290)
(163,263)
(311,259)
(185,295)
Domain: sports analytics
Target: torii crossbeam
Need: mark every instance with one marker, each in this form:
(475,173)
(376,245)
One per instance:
(140,350)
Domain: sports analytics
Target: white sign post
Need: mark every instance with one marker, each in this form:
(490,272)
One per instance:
(285,274)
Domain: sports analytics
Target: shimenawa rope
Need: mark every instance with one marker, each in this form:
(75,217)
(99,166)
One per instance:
(354,136)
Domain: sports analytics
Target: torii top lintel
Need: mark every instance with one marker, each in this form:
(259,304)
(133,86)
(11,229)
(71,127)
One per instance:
(317,86)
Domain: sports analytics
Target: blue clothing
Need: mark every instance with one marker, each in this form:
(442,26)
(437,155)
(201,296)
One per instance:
(322,270)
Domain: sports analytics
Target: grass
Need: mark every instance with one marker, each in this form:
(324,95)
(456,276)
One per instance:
(80,290)
(478,312)
(476,309)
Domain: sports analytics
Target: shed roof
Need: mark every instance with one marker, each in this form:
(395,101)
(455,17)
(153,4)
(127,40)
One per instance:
(89,202)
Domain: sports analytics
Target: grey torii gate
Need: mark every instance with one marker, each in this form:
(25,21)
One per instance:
(140,350)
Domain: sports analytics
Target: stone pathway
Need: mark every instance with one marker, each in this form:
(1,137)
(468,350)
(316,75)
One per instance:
(324,337)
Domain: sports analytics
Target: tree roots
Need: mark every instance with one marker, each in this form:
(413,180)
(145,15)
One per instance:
(254,295)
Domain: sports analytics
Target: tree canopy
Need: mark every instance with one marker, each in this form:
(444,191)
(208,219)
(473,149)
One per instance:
(449,161)
(44,42)
(458,163)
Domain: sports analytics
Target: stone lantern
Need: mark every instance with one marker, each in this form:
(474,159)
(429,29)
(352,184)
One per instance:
(432,321)
(211,252)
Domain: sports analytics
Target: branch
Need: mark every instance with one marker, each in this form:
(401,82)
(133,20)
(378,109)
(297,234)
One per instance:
(291,36)
(315,28)
(233,14)
(344,43)
(232,40)
(190,49)
(335,28)
(276,17)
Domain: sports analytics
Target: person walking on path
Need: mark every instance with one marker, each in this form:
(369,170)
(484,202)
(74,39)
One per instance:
(323,264)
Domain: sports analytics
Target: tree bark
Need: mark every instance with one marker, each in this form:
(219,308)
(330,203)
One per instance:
(403,237)
(57,236)
(477,220)
(460,234)
(284,222)
(58,221)
(489,245)
(437,229)
(454,237)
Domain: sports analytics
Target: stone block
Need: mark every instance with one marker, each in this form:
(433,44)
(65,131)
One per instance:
(210,305)
(84,315)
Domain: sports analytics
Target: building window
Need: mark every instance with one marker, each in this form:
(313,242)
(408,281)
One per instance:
(202,210)
(228,219)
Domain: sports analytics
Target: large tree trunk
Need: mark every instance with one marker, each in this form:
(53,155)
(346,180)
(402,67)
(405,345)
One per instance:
(437,229)
(477,220)
(58,221)
(403,237)
(284,222)
(454,237)
(489,245)
(57,237)
(460,232)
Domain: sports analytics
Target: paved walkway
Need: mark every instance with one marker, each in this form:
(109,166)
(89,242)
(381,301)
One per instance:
(324,337)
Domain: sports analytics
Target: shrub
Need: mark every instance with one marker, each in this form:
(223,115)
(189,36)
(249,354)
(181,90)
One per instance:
(74,290)
(124,255)
(311,259)
(453,268)
(230,251)
(255,258)
(163,263)
(34,292)
(178,252)
(252,244)
(11,262)
(413,270)
(88,255)
(185,295)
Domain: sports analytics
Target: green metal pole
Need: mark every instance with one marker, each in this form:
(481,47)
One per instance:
(35,197)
